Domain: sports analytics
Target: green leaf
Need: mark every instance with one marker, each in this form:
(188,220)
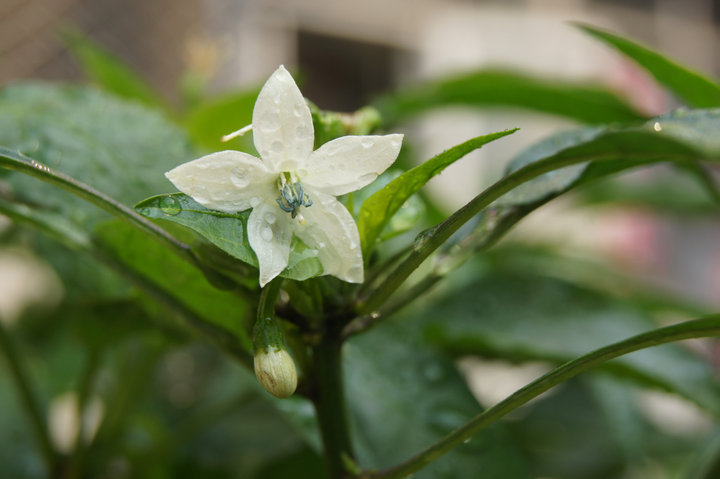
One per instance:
(390,365)
(498,88)
(227,231)
(378,209)
(692,87)
(109,72)
(681,136)
(210,121)
(120,149)
(556,321)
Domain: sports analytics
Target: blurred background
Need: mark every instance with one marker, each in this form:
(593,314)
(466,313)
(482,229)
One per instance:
(345,53)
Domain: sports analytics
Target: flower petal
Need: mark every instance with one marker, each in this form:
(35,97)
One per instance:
(269,233)
(282,125)
(331,230)
(347,164)
(226,181)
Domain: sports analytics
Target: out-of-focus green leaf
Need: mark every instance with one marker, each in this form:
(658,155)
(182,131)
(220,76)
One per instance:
(227,231)
(692,87)
(109,72)
(379,208)
(175,276)
(498,88)
(93,137)
(211,120)
(556,322)
(404,396)
(680,136)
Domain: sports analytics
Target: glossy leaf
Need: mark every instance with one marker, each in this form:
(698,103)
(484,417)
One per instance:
(682,136)
(227,231)
(378,209)
(499,88)
(556,322)
(693,88)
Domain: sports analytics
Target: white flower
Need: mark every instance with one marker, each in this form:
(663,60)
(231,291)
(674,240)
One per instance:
(292,189)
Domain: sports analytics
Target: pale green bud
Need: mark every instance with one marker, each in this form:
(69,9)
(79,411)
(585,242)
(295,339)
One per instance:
(276,372)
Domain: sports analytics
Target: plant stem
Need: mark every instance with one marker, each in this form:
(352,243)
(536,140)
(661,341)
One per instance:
(705,327)
(431,239)
(330,405)
(28,399)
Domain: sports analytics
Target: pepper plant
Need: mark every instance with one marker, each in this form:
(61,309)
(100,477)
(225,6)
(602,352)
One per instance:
(299,306)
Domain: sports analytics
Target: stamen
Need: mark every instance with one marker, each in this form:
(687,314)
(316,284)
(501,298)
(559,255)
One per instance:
(235,134)
(292,196)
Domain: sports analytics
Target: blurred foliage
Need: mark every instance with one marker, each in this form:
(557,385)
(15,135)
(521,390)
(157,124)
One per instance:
(129,328)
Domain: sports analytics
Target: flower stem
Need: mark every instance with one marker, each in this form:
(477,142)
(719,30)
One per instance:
(705,327)
(330,406)
(28,399)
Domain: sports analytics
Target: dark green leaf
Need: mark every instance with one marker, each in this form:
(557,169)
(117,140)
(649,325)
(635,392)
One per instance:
(692,87)
(109,72)
(557,322)
(404,396)
(682,136)
(496,88)
(227,231)
(378,209)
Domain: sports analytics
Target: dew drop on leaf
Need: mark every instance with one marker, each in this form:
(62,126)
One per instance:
(170,206)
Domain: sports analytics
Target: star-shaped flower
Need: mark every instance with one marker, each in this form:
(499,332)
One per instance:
(292,189)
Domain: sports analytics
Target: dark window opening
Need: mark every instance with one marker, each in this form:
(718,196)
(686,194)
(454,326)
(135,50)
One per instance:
(343,75)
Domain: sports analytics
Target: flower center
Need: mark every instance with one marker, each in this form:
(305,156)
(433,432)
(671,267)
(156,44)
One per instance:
(292,196)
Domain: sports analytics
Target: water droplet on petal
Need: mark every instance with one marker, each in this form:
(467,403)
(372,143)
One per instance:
(255,201)
(170,206)
(367,142)
(270,218)
(396,143)
(301,132)
(301,172)
(354,272)
(278,99)
(266,233)
(297,111)
(240,177)
(277,146)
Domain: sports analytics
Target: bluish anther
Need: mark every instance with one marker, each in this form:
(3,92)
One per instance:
(292,197)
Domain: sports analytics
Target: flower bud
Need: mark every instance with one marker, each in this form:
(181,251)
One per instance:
(274,367)
(276,372)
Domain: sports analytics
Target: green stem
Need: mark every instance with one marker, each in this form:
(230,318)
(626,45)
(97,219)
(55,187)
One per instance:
(17,162)
(75,468)
(79,241)
(699,328)
(28,399)
(431,239)
(330,406)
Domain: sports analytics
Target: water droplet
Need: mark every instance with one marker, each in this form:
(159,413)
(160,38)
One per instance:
(301,172)
(332,149)
(277,146)
(170,206)
(255,201)
(423,238)
(396,143)
(270,218)
(466,441)
(301,132)
(277,99)
(355,272)
(657,126)
(266,233)
(240,177)
(374,315)
(297,111)
(367,142)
